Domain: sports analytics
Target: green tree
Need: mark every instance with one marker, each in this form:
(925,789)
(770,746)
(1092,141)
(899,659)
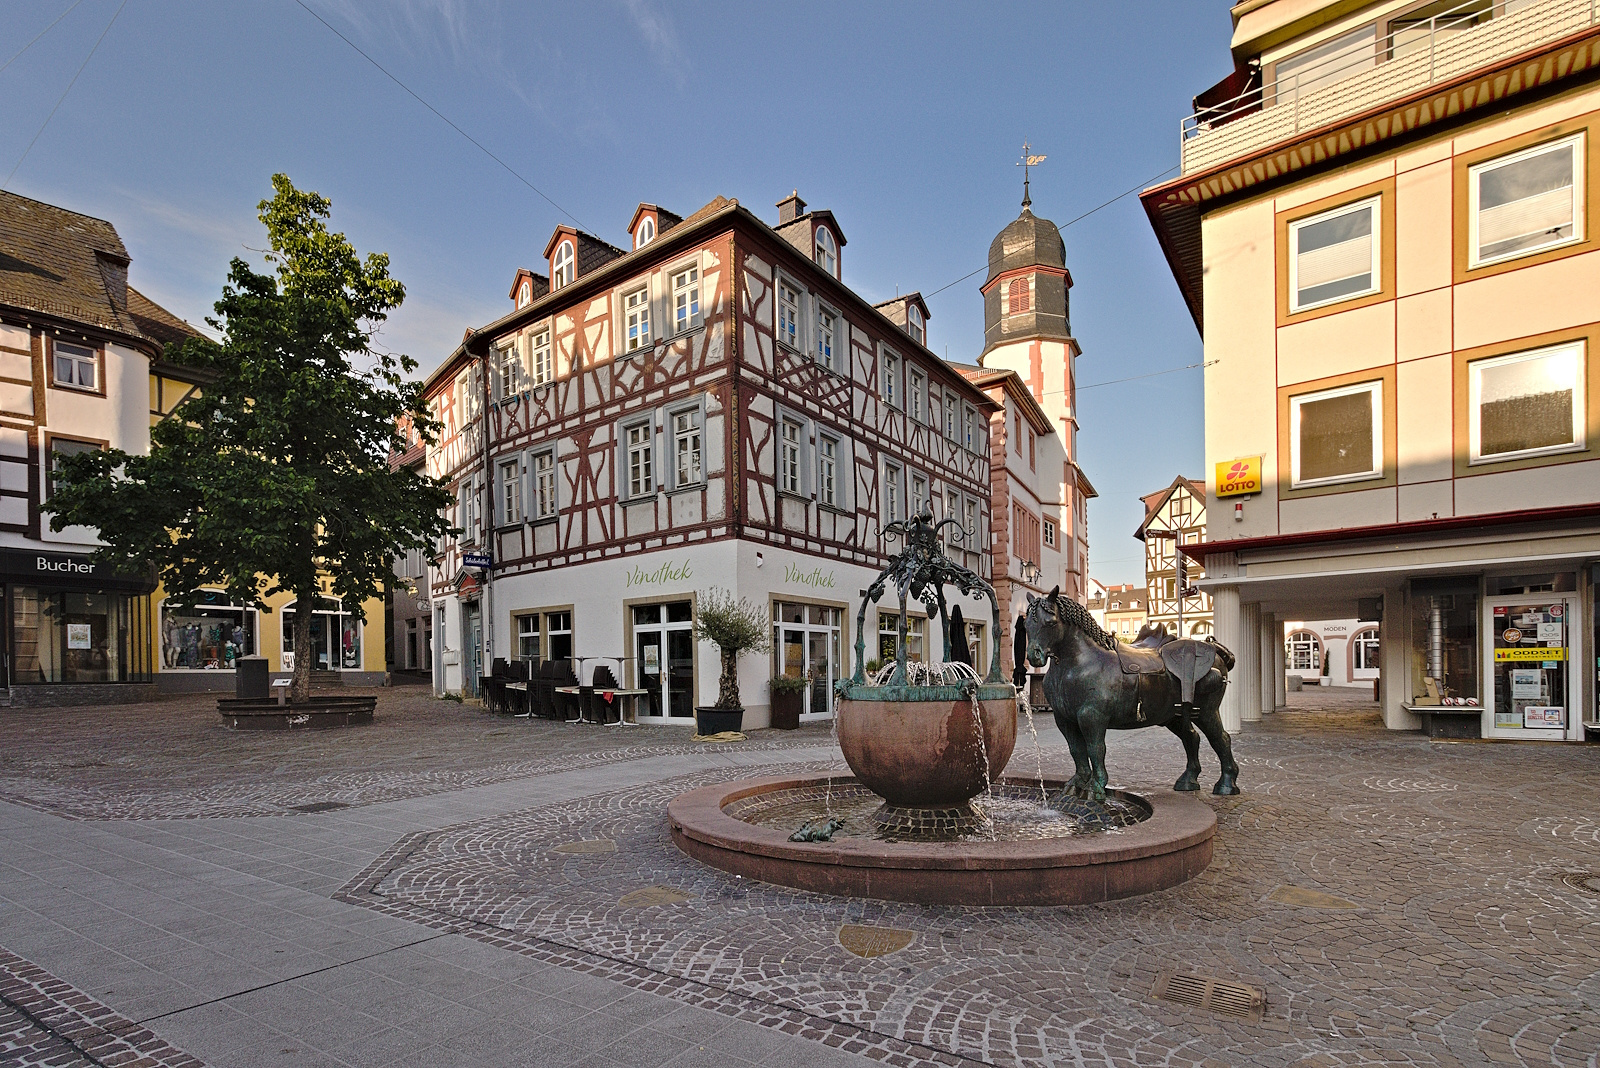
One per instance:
(276,476)
(734,626)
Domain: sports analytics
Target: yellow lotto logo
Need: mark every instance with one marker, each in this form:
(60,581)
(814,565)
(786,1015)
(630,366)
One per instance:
(1238,477)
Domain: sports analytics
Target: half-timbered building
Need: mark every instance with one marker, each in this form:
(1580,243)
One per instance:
(712,407)
(1175,516)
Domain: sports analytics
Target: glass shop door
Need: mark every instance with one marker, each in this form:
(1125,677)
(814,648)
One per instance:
(1533,649)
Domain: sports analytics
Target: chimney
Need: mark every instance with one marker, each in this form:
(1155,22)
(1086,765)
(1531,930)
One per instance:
(791,208)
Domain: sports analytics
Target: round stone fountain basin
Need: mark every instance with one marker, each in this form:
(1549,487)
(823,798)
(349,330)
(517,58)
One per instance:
(927,753)
(1170,847)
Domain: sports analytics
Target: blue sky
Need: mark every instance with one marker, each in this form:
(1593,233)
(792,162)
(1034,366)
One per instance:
(903,119)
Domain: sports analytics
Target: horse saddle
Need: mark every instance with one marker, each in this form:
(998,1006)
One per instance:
(1184,659)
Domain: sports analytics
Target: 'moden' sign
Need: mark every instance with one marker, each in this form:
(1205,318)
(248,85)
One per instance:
(1235,478)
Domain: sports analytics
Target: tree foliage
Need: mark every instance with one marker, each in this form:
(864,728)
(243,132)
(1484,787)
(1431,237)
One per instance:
(275,476)
(733,626)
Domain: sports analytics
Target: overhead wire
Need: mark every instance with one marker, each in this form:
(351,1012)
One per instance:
(41,33)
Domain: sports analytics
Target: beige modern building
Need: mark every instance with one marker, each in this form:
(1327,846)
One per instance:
(1383,230)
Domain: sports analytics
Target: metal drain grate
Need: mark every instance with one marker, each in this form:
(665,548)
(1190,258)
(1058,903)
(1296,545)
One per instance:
(1222,996)
(318,806)
(1587,881)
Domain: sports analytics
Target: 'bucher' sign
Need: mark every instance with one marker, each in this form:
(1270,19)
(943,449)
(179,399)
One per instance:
(1235,478)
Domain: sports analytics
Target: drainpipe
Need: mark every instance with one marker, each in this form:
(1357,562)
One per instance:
(486,516)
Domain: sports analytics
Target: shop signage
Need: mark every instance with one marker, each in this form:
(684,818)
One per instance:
(476,560)
(1511,635)
(1545,717)
(1550,632)
(814,577)
(1533,653)
(662,575)
(69,569)
(1235,478)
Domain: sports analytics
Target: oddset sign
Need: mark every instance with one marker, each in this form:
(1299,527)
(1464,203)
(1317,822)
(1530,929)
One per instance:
(1235,478)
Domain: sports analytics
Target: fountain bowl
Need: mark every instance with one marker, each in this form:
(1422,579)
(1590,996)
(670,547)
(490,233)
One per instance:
(1170,847)
(918,746)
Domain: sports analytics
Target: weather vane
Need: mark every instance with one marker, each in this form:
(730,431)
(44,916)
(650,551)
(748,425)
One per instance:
(1028,160)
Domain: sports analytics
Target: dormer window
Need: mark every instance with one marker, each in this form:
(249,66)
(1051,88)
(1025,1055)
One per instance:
(524,293)
(827,251)
(561,268)
(646,233)
(915,326)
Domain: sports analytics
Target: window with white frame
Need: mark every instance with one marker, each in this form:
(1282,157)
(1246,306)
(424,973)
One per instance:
(951,418)
(563,267)
(915,325)
(686,299)
(1525,202)
(75,366)
(528,638)
(1336,435)
(1334,256)
(508,372)
(952,510)
(916,389)
(919,494)
(791,442)
(1365,650)
(827,254)
(467,494)
(827,323)
(543,360)
(969,522)
(544,483)
(828,470)
(646,234)
(524,293)
(970,428)
(1526,403)
(687,463)
(639,440)
(1303,651)
(510,491)
(1050,533)
(788,315)
(891,379)
(636,306)
(893,477)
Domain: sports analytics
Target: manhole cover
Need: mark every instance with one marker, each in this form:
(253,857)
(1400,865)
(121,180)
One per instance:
(1309,899)
(319,806)
(1222,996)
(865,941)
(653,895)
(1587,881)
(597,845)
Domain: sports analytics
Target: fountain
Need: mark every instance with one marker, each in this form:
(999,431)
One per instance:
(928,815)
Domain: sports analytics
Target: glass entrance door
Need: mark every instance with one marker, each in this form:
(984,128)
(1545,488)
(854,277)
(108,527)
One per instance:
(806,643)
(664,646)
(1530,660)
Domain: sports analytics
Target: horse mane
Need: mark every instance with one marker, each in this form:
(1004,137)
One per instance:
(1070,611)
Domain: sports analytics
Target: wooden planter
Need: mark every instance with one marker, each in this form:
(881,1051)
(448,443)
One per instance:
(786,710)
(717,720)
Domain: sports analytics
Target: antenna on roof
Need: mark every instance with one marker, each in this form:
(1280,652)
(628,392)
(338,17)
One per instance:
(1026,162)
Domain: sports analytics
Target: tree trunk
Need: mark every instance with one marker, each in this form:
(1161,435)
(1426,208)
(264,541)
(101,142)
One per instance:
(728,687)
(300,687)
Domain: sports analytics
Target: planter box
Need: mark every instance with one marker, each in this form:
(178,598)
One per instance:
(786,710)
(718,720)
(319,711)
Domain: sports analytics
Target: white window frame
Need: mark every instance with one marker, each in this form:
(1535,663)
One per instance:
(916,391)
(971,524)
(563,267)
(470,498)
(678,434)
(78,357)
(686,305)
(828,321)
(544,483)
(826,251)
(524,293)
(918,492)
(510,496)
(508,370)
(830,450)
(786,326)
(952,418)
(1474,400)
(1049,533)
(637,488)
(544,362)
(1375,387)
(791,454)
(647,232)
(1478,170)
(636,319)
(894,480)
(916,325)
(1370,204)
(969,428)
(889,386)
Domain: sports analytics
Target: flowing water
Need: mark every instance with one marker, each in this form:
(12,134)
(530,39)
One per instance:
(983,755)
(1038,753)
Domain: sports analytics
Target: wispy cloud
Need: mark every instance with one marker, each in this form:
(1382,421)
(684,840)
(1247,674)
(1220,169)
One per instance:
(655,27)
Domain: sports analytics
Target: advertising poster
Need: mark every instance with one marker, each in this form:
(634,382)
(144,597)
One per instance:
(652,659)
(1547,717)
(1525,684)
(78,636)
(1550,632)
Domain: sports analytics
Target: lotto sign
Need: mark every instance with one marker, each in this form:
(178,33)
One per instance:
(1549,656)
(1235,478)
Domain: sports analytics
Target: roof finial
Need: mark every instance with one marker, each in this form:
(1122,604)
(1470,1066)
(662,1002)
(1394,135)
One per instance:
(1027,161)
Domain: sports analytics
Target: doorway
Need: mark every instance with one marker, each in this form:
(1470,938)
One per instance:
(471,647)
(806,642)
(663,642)
(1529,661)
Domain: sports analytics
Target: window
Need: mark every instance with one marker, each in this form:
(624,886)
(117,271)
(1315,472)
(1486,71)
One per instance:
(952,510)
(543,364)
(1364,650)
(827,251)
(970,521)
(889,636)
(507,372)
(1019,296)
(1525,202)
(544,483)
(1016,432)
(1526,404)
(686,299)
(788,315)
(919,493)
(1334,256)
(1033,454)
(826,321)
(468,502)
(1050,533)
(79,636)
(528,638)
(510,492)
(1338,59)
(1337,435)
(67,447)
(562,270)
(636,306)
(524,294)
(641,468)
(686,455)
(558,635)
(892,475)
(891,379)
(915,325)
(950,417)
(211,635)
(1431,25)
(828,470)
(1303,651)
(970,432)
(916,387)
(791,437)
(75,366)
(646,234)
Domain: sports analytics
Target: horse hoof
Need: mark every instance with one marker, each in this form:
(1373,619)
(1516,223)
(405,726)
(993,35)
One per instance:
(1225,789)
(1186,785)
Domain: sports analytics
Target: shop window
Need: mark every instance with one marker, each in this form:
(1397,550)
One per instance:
(75,366)
(1364,650)
(1303,651)
(637,308)
(1525,202)
(889,634)
(1334,256)
(664,658)
(211,635)
(1337,435)
(977,646)
(69,636)
(806,643)
(1526,404)
(335,638)
(528,638)
(1444,637)
(558,635)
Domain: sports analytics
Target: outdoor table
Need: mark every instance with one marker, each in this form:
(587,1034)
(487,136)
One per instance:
(574,691)
(520,688)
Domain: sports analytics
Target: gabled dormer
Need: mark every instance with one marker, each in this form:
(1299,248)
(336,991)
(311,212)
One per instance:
(815,233)
(649,222)
(527,287)
(572,254)
(909,313)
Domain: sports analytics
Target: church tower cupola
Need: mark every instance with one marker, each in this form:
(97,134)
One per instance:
(1025,295)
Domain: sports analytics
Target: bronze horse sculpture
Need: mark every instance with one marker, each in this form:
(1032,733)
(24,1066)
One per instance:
(1094,684)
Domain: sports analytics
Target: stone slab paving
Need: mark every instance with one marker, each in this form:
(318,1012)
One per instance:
(1399,902)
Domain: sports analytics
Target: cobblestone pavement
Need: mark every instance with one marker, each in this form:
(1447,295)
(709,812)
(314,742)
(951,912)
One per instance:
(1399,901)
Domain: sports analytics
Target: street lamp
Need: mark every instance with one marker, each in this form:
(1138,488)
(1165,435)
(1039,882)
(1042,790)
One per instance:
(1031,572)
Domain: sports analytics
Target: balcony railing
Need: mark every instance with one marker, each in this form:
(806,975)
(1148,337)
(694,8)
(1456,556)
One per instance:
(1470,35)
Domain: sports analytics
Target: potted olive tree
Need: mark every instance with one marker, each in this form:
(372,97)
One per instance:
(788,698)
(734,626)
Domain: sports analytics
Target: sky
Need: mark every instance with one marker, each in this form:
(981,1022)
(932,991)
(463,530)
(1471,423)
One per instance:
(905,120)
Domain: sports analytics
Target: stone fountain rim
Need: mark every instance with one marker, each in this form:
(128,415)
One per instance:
(987,691)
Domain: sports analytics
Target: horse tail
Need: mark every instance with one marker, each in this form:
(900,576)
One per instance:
(1223,653)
